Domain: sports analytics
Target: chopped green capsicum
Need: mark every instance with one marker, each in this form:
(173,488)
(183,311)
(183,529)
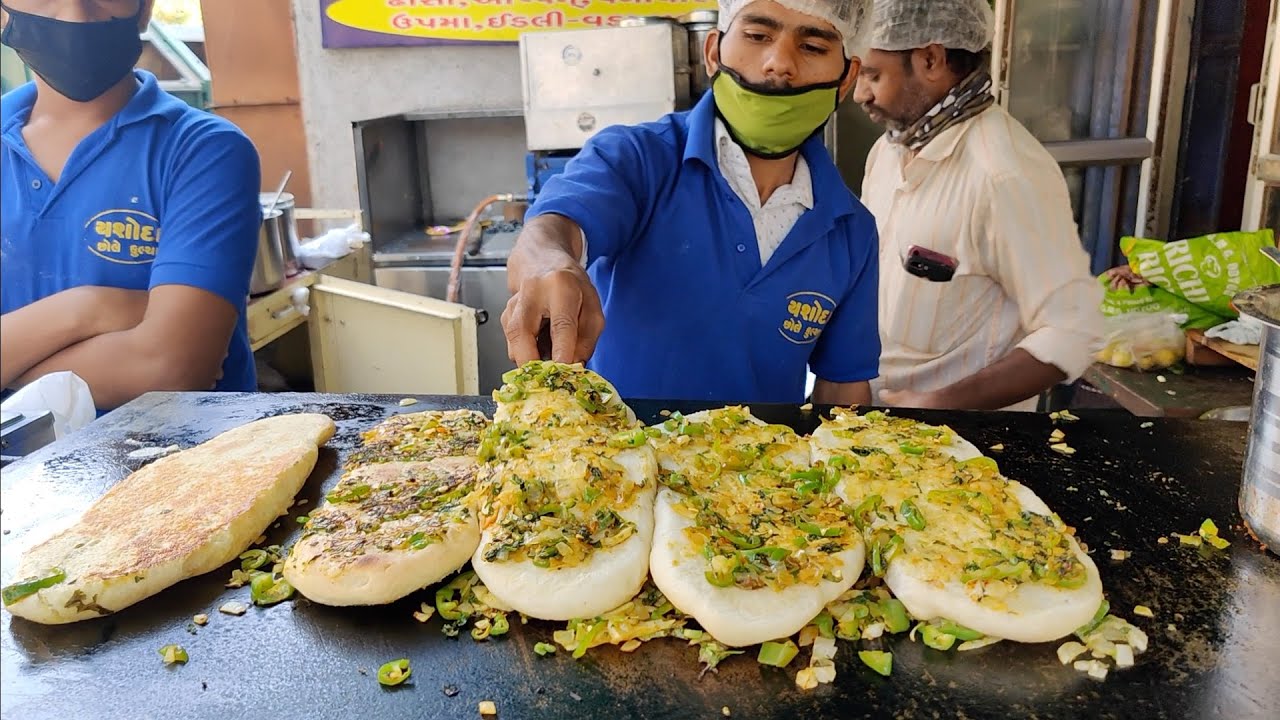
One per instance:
(777,654)
(878,660)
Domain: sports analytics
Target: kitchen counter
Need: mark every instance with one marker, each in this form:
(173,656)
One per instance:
(1188,395)
(1213,647)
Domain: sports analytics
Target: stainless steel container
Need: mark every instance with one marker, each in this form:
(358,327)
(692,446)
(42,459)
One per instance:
(577,82)
(699,24)
(1260,486)
(289,246)
(268,264)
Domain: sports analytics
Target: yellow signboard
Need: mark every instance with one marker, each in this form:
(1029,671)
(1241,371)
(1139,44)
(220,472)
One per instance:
(356,23)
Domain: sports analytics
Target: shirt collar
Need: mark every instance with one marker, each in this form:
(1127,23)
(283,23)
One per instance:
(828,192)
(732,161)
(700,142)
(148,101)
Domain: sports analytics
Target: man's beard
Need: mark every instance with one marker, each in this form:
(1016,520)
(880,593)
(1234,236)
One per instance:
(880,116)
(914,103)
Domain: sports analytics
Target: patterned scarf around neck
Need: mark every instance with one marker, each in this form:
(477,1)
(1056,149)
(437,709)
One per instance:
(970,97)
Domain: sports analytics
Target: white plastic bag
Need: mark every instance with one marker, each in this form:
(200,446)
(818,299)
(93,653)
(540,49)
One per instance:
(64,394)
(1142,340)
(1245,331)
(315,253)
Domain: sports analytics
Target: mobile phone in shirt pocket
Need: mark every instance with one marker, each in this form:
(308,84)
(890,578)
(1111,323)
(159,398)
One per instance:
(930,264)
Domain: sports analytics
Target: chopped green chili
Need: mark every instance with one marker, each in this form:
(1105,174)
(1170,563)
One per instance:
(31,585)
(912,515)
(936,639)
(173,654)
(394,672)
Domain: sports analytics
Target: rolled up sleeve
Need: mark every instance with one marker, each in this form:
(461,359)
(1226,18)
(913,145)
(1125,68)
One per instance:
(1034,251)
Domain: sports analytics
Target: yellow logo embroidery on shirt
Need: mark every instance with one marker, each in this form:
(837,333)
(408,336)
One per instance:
(127,237)
(807,314)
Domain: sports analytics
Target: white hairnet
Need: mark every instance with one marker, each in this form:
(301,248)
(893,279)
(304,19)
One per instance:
(910,24)
(849,17)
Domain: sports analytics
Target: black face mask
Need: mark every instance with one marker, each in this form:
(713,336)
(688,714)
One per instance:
(79,60)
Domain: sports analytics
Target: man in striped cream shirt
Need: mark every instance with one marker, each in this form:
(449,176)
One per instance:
(986,299)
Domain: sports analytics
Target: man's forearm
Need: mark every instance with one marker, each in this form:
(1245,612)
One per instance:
(32,334)
(120,366)
(545,244)
(845,394)
(1008,381)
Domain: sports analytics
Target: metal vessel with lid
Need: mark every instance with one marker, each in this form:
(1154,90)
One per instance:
(268,263)
(289,240)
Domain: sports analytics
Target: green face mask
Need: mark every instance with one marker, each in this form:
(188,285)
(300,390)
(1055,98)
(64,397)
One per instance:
(772,123)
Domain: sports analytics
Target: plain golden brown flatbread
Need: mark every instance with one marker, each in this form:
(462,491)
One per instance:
(181,516)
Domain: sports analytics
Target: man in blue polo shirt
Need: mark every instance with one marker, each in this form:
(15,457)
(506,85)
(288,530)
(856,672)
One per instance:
(726,252)
(129,221)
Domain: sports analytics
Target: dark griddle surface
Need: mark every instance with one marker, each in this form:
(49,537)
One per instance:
(303,660)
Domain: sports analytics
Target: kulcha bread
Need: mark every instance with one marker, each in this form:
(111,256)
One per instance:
(953,538)
(181,516)
(566,506)
(750,537)
(400,517)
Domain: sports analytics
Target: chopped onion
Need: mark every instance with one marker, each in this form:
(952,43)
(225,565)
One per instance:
(824,673)
(1124,656)
(873,631)
(1070,651)
(824,648)
(1101,647)
(806,679)
(808,634)
(1138,639)
(1098,671)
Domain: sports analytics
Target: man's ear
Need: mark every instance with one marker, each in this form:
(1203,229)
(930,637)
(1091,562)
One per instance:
(711,52)
(850,78)
(931,63)
(144,14)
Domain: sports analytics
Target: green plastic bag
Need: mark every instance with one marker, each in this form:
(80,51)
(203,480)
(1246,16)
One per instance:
(1150,299)
(1206,271)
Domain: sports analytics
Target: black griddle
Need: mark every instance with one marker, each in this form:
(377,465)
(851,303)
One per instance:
(1126,486)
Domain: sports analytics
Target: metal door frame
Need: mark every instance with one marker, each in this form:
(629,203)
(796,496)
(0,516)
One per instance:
(1264,112)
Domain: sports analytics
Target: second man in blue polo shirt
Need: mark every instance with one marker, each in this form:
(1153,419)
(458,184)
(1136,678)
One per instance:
(715,254)
(129,219)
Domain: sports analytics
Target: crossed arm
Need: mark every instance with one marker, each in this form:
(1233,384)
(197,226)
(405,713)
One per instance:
(123,343)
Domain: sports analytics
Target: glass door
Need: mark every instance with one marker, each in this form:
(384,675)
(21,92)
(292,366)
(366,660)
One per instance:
(1098,82)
